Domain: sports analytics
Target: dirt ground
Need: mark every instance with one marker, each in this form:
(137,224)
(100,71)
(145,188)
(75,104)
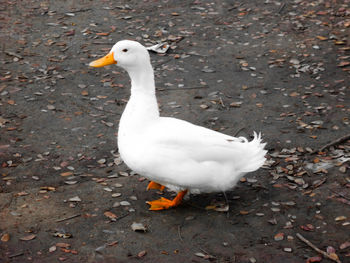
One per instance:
(279,67)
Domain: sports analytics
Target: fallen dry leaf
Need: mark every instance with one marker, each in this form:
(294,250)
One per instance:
(112,243)
(279,237)
(23,193)
(340,218)
(61,244)
(339,42)
(308,227)
(243,212)
(75,199)
(103,34)
(322,38)
(70,33)
(52,249)
(202,255)
(66,174)
(69,251)
(218,206)
(48,188)
(236,104)
(222,208)
(343,64)
(62,235)
(294,94)
(5,237)
(333,256)
(110,215)
(142,253)
(345,245)
(27,238)
(314,259)
(84,93)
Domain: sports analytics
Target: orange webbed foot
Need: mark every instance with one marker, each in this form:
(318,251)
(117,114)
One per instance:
(160,204)
(164,203)
(154,185)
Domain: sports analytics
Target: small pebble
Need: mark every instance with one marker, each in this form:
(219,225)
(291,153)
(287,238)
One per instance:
(75,199)
(99,249)
(116,204)
(275,209)
(124,203)
(139,227)
(287,249)
(125,174)
(51,107)
(101,161)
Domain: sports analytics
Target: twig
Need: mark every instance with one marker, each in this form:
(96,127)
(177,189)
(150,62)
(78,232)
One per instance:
(80,10)
(16,255)
(189,88)
(122,216)
(67,218)
(316,248)
(13,54)
(238,131)
(156,66)
(342,200)
(221,102)
(179,232)
(340,194)
(332,143)
(281,8)
(207,255)
(100,43)
(97,108)
(309,173)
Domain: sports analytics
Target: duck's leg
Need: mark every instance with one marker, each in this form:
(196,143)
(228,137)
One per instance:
(164,203)
(154,185)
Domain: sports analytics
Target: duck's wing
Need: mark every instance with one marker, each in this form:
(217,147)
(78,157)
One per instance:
(181,139)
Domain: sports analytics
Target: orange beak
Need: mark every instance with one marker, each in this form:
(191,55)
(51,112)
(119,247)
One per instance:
(106,60)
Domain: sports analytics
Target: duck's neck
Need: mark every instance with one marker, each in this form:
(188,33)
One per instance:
(142,80)
(142,106)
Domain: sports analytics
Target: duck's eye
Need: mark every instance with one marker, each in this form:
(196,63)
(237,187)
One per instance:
(125,50)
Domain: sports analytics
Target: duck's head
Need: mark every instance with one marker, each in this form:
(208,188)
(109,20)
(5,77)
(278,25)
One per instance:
(127,54)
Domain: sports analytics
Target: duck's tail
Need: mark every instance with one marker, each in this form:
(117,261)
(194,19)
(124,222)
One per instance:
(254,155)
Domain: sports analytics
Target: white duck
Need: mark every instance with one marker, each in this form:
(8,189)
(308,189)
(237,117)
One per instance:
(172,152)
